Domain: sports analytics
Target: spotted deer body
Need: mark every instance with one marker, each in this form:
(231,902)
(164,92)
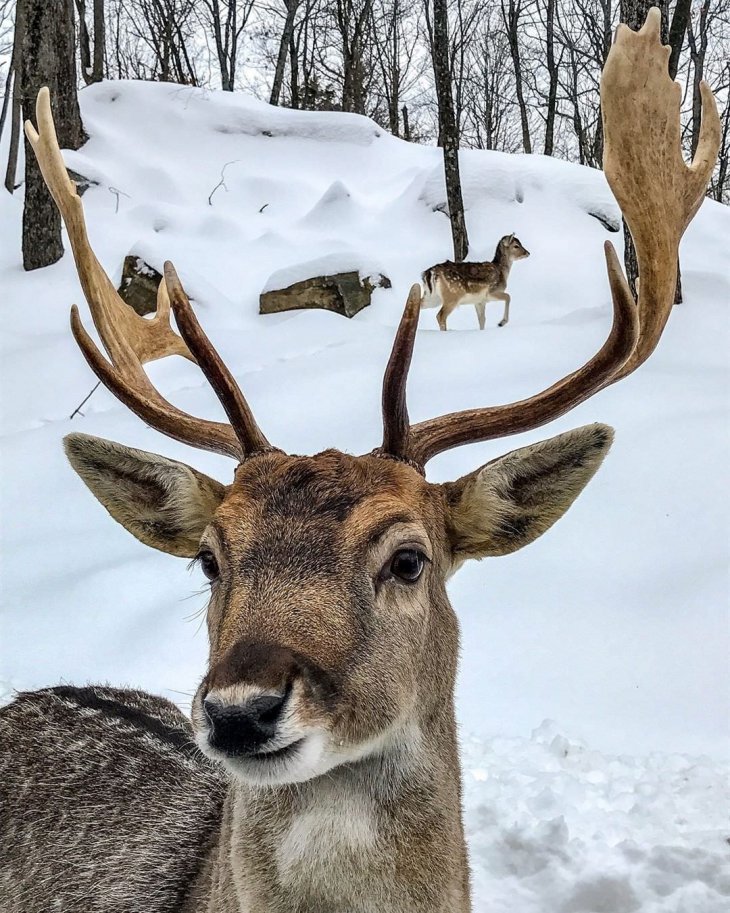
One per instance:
(319,772)
(450,284)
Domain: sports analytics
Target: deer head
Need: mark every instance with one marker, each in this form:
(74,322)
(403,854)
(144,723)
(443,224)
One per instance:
(510,249)
(331,634)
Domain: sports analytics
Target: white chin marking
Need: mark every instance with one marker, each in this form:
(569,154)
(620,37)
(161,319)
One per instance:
(312,755)
(305,760)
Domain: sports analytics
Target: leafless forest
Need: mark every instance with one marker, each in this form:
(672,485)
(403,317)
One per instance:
(523,73)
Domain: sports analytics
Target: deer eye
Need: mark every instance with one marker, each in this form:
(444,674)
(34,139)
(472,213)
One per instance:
(208,564)
(407,565)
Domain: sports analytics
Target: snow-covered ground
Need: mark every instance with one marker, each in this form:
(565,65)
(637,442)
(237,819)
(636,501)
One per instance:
(615,624)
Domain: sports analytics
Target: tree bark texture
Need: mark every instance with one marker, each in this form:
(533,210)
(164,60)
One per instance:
(677,32)
(448,130)
(511,17)
(552,68)
(284,48)
(48,58)
(14,99)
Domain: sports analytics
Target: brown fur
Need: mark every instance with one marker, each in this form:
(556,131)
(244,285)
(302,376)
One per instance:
(364,815)
(452,284)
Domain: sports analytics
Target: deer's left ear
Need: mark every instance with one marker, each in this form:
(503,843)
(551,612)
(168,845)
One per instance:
(511,501)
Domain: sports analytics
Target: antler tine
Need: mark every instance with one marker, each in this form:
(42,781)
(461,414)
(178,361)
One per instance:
(220,378)
(132,387)
(149,339)
(396,426)
(657,191)
(658,194)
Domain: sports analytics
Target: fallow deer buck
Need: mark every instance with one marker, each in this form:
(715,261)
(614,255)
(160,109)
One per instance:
(325,777)
(452,284)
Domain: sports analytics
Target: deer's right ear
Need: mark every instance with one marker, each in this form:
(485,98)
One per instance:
(163,503)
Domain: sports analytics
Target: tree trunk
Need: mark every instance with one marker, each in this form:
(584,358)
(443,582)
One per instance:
(511,22)
(84,42)
(286,35)
(406,125)
(606,39)
(97,70)
(7,95)
(447,129)
(293,73)
(677,31)
(48,59)
(92,66)
(553,77)
(16,112)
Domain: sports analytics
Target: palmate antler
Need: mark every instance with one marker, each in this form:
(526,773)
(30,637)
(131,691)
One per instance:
(658,194)
(657,191)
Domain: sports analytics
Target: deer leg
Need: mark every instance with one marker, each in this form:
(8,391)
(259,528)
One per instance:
(503,296)
(481,315)
(448,305)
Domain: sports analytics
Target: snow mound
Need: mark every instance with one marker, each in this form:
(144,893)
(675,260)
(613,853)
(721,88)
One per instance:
(554,826)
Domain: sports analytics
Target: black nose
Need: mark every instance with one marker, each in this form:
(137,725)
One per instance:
(243,728)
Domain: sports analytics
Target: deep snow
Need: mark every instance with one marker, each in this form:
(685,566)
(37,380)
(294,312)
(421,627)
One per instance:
(615,623)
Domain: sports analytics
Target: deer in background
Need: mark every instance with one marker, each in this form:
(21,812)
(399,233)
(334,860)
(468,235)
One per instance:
(452,284)
(320,773)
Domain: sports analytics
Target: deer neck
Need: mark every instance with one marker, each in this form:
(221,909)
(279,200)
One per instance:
(383,835)
(503,263)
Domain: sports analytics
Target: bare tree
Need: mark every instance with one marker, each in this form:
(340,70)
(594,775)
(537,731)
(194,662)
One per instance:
(512,15)
(48,58)
(7,28)
(226,20)
(448,134)
(13,97)
(286,46)
(488,105)
(697,35)
(92,63)
(395,40)
(721,180)
(352,21)
(677,32)
(160,37)
(552,69)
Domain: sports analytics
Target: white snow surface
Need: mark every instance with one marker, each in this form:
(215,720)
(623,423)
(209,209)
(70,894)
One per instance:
(614,624)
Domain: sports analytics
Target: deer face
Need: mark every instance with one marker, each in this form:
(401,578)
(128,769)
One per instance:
(512,248)
(327,601)
(331,635)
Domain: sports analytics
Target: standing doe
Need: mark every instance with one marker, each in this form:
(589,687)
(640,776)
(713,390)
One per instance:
(325,777)
(452,284)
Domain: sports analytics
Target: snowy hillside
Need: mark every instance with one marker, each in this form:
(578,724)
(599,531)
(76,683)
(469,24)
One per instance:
(615,624)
